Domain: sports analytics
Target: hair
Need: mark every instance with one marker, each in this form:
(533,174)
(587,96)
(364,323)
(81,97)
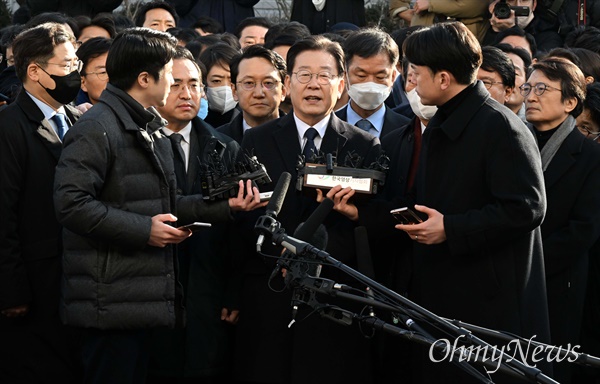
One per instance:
(91,49)
(219,54)
(584,37)
(336,37)
(102,21)
(589,62)
(259,51)
(140,15)
(316,43)
(122,22)
(495,60)
(369,42)
(518,31)
(399,35)
(8,35)
(184,34)
(182,53)
(249,22)
(53,17)
(201,43)
(208,24)
(151,49)
(230,39)
(521,52)
(572,80)
(592,101)
(37,44)
(447,46)
(286,33)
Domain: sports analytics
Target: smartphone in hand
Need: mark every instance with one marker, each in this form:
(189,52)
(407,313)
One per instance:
(265,196)
(196,226)
(406,215)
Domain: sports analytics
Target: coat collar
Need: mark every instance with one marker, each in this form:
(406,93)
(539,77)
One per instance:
(565,157)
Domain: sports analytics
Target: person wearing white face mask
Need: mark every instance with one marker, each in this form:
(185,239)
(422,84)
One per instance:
(217,77)
(371,57)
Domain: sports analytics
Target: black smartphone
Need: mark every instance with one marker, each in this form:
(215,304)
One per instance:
(195,226)
(406,215)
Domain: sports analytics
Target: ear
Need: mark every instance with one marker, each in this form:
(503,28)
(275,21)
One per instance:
(83,86)
(33,72)
(394,76)
(284,92)
(589,79)
(287,82)
(508,91)
(234,91)
(341,85)
(444,79)
(570,104)
(144,80)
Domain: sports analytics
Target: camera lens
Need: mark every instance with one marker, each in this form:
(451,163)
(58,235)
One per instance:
(502,10)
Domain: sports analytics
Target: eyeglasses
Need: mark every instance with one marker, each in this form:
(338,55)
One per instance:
(102,75)
(251,85)
(192,88)
(70,66)
(538,89)
(592,135)
(323,77)
(488,83)
(10,60)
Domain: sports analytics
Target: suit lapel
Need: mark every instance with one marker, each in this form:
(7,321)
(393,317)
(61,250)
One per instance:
(335,138)
(564,159)
(49,138)
(285,135)
(193,164)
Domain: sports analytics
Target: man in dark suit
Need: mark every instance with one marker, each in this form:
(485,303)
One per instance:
(205,265)
(266,350)
(477,256)
(371,56)
(257,83)
(554,94)
(35,347)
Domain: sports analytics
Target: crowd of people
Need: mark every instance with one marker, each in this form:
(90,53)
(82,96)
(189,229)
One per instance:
(484,117)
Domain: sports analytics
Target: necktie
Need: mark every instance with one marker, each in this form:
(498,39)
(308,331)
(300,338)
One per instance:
(310,149)
(179,160)
(61,124)
(364,124)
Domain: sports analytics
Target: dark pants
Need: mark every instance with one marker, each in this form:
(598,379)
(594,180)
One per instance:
(115,356)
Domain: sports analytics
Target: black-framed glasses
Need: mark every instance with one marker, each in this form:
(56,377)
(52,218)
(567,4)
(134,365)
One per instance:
(250,85)
(101,75)
(68,67)
(592,135)
(538,89)
(323,77)
(489,83)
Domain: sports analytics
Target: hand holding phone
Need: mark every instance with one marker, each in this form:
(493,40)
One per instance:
(265,196)
(196,226)
(406,215)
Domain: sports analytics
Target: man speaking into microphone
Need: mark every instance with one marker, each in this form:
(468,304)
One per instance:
(267,351)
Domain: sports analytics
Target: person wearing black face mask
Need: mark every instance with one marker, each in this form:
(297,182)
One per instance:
(35,345)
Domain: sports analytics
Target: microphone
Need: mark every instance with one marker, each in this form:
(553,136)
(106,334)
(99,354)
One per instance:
(364,261)
(268,221)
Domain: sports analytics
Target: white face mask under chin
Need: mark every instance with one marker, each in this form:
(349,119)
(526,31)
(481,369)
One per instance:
(369,95)
(423,112)
(220,99)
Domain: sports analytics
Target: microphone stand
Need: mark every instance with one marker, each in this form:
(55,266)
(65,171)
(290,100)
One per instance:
(510,365)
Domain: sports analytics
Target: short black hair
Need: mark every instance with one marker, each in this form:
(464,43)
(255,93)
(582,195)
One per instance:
(140,15)
(584,36)
(151,49)
(251,21)
(519,51)
(100,20)
(317,43)
(184,34)
(446,46)
(592,101)
(572,80)
(258,50)
(518,31)
(91,49)
(122,22)
(285,33)
(208,24)
(495,60)
(53,17)
(182,53)
(219,54)
(37,45)
(369,42)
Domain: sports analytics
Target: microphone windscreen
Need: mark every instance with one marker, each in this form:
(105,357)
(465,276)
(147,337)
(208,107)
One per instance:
(363,252)
(276,201)
(318,238)
(305,230)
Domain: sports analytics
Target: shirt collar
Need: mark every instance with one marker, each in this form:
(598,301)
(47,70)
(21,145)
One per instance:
(302,127)
(376,119)
(185,132)
(47,110)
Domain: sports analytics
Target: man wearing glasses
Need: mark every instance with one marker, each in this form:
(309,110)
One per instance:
(554,94)
(497,73)
(257,82)
(35,343)
(94,77)
(314,80)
